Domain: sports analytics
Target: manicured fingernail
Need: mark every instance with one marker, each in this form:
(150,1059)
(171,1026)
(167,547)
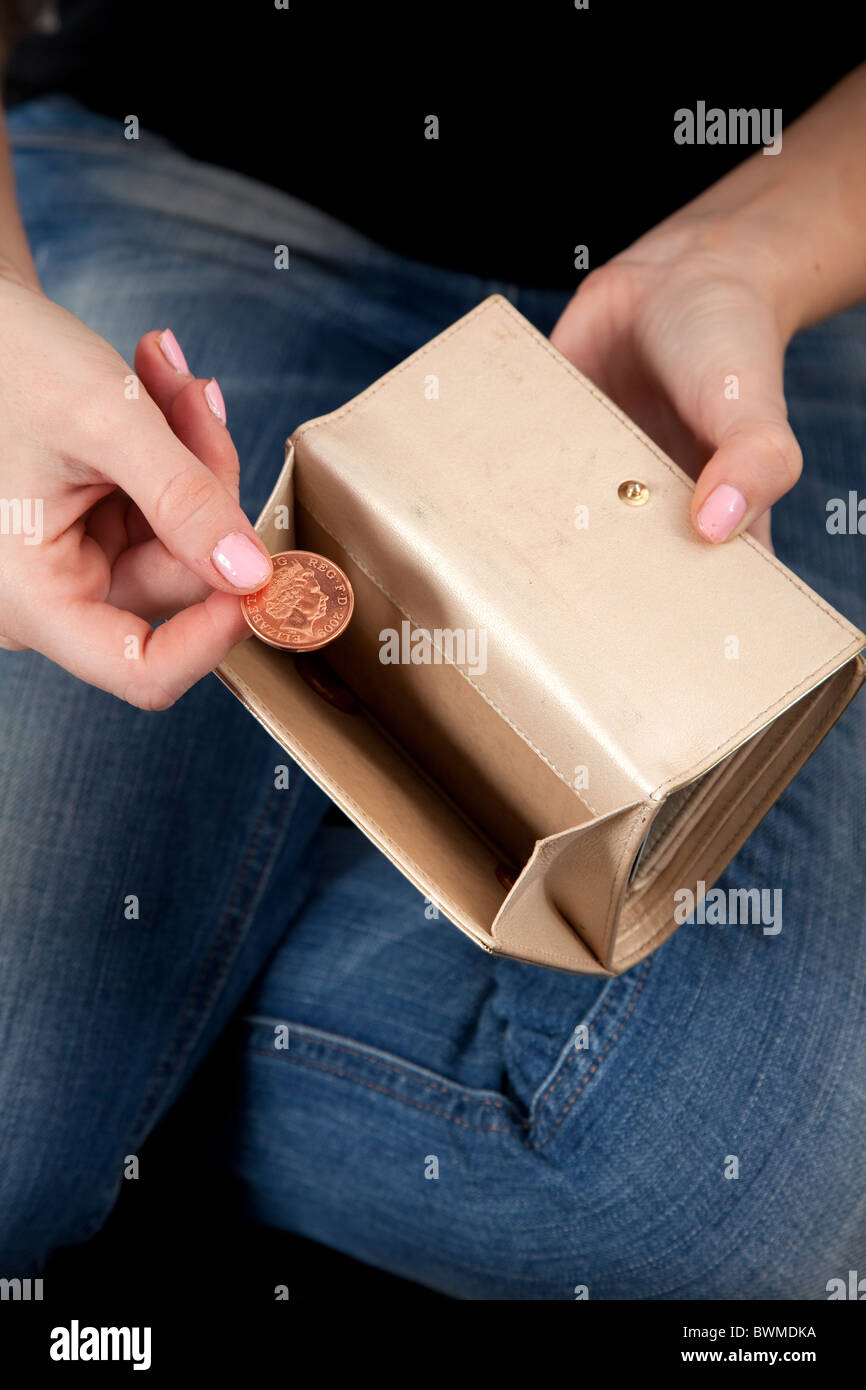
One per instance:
(171,350)
(214,397)
(241,562)
(721,513)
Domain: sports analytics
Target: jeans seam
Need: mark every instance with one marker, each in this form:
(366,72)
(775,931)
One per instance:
(392,1063)
(394,1095)
(584,1082)
(552,1081)
(525,1123)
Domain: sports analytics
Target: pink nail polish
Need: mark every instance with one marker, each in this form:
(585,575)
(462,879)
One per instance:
(171,350)
(721,513)
(214,397)
(241,562)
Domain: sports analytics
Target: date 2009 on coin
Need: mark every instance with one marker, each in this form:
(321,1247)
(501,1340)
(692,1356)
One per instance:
(306,604)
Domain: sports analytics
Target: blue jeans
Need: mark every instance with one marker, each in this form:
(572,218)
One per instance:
(431,1114)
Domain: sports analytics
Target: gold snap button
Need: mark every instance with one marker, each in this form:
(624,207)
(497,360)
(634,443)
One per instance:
(633,493)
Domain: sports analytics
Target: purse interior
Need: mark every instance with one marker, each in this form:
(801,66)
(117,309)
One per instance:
(440,781)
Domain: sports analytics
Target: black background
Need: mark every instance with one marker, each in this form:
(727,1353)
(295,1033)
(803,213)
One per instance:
(556,124)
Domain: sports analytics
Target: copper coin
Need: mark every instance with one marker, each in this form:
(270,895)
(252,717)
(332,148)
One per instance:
(306,604)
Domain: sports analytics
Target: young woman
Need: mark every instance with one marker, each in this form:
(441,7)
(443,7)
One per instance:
(157,890)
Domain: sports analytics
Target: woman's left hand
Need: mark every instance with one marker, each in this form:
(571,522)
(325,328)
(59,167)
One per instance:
(682,330)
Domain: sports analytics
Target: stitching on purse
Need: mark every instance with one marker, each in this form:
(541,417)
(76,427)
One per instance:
(660,840)
(648,443)
(722,810)
(828,667)
(766,801)
(769,797)
(377,386)
(705,787)
(399,853)
(539,342)
(486,698)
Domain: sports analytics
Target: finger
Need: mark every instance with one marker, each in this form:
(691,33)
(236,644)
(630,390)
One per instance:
(735,402)
(190,510)
(756,463)
(147,579)
(589,330)
(198,418)
(107,524)
(162,370)
(121,653)
(161,367)
(196,413)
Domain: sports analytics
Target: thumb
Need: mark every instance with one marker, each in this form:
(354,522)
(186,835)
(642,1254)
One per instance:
(756,462)
(588,331)
(194,515)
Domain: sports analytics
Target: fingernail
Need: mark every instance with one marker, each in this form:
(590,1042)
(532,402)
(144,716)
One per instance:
(723,510)
(214,397)
(241,562)
(171,350)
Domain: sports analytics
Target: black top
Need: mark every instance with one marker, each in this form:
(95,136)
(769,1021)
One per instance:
(556,124)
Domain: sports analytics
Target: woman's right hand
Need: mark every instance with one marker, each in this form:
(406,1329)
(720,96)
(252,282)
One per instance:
(118,507)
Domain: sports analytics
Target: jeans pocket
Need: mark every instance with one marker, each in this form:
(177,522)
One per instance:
(583,1059)
(383,1076)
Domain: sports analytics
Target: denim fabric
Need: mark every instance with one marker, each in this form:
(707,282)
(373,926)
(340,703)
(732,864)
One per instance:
(556,1166)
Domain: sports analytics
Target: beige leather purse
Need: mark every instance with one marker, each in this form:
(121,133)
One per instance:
(569,707)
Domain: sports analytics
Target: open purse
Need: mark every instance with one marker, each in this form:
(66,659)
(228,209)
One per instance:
(565,706)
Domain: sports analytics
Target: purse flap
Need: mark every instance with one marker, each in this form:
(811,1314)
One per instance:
(455,482)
